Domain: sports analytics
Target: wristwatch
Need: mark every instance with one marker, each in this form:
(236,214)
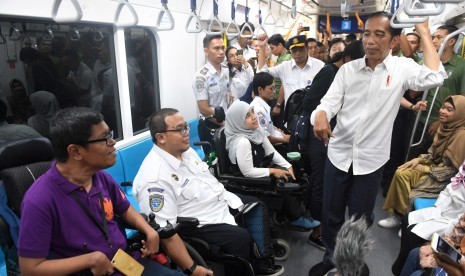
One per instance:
(278,105)
(411,107)
(190,270)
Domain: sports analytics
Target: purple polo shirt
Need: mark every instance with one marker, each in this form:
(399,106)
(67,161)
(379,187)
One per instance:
(53,225)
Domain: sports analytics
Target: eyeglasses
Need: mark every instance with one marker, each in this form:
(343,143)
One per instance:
(184,130)
(106,139)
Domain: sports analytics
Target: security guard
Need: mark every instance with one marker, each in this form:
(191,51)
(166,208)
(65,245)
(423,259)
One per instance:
(173,182)
(211,86)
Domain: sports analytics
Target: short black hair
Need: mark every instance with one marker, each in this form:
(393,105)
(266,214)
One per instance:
(261,79)
(276,39)
(157,121)
(351,37)
(3,111)
(354,50)
(28,54)
(415,34)
(251,29)
(209,38)
(450,29)
(394,31)
(319,44)
(336,40)
(72,126)
(310,39)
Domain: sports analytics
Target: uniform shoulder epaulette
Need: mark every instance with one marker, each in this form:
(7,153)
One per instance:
(204,71)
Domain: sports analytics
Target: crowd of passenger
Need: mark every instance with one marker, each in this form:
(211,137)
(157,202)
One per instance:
(360,100)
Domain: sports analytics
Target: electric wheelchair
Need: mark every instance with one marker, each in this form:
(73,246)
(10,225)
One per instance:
(269,190)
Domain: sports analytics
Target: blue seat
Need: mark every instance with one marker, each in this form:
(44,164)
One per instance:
(194,137)
(116,171)
(421,202)
(2,264)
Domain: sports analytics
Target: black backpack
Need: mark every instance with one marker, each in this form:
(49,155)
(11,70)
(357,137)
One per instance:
(296,118)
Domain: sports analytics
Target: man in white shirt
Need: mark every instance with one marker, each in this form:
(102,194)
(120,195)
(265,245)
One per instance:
(211,86)
(173,182)
(365,95)
(263,88)
(296,73)
(245,43)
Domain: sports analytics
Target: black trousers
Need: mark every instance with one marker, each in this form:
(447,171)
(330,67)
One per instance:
(205,128)
(408,242)
(342,190)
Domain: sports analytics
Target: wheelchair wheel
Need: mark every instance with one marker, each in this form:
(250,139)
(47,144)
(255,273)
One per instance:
(281,250)
(278,219)
(195,255)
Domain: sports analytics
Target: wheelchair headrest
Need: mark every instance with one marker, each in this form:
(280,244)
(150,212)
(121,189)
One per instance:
(17,181)
(25,151)
(221,152)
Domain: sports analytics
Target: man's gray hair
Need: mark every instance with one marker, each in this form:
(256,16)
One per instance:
(352,244)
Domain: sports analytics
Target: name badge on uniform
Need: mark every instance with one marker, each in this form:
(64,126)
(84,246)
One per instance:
(185,183)
(156,190)
(156,202)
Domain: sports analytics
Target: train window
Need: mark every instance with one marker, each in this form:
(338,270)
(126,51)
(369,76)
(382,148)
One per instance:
(76,64)
(140,45)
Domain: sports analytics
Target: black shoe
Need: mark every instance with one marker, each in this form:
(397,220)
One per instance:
(320,269)
(317,242)
(275,270)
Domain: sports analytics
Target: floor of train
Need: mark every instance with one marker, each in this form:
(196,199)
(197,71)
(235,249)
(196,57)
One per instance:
(385,248)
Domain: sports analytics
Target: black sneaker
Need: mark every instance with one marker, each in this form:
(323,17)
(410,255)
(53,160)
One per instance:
(317,242)
(320,269)
(275,270)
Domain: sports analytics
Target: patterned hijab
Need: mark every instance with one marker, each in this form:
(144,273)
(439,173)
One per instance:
(450,140)
(235,128)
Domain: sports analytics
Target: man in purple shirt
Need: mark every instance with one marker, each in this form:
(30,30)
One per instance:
(67,215)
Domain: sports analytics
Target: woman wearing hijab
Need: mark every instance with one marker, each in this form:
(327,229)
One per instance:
(252,154)
(46,106)
(19,102)
(428,175)
(240,72)
(446,217)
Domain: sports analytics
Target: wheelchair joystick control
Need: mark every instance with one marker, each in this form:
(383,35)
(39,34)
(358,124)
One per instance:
(282,185)
(152,222)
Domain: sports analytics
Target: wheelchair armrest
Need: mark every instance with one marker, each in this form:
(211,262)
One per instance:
(265,181)
(126,184)
(187,222)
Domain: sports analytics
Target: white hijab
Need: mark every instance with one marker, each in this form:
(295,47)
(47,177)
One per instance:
(235,128)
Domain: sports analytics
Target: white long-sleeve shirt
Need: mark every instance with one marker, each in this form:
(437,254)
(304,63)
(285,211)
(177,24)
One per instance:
(245,159)
(366,103)
(241,81)
(292,76)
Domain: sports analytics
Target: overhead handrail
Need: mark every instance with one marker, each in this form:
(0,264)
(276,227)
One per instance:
(192,16)
(412,11)
(164,10)
(293,9)
(233,23)
(74,34)
(246,24)
(417,119)
(442,1)
(64,19)
(405,22)
(280,21)
(270,14)
(121,5)
(260,30)
(215,20)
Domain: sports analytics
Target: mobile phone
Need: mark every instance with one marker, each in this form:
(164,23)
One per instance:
(306,28)
(442,247)
(127,264)
(240,52)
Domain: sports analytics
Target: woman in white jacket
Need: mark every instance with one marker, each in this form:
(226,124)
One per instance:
(240,72)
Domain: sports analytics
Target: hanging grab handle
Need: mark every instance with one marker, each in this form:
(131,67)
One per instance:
(193,16)
(270,15)
(246,25)
(405,22)
(279,22)
(232,23)
(64,19)
(215,21)
(411,10)
(120,7)
(164,10)
(260,30)
(294,9)
(74,34)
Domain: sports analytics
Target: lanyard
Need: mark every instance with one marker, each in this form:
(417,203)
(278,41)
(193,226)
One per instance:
(103,226)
